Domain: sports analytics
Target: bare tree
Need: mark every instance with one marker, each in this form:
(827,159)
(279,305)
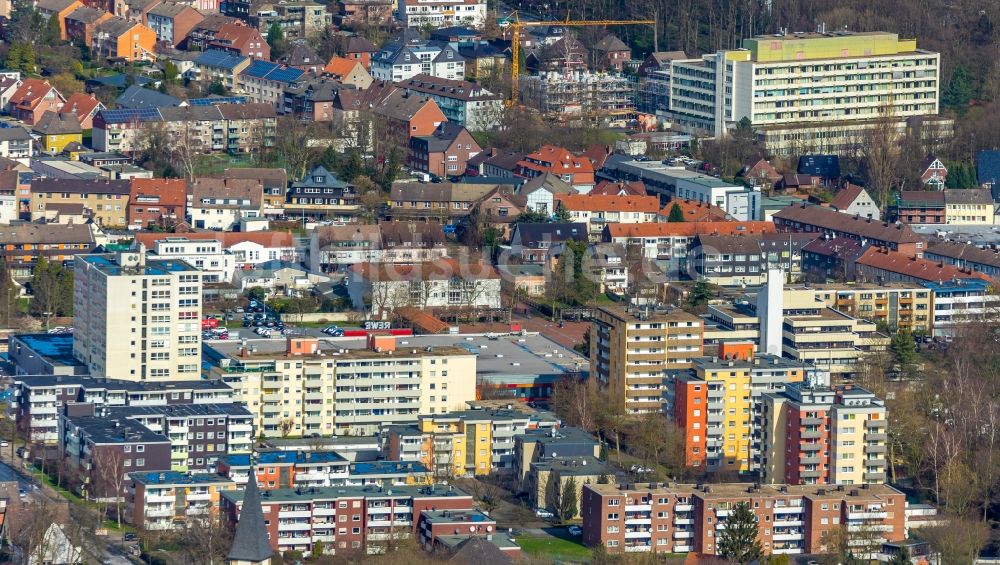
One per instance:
(206,539)
(881,156)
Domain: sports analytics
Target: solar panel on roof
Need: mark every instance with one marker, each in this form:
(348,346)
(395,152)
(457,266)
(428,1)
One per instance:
(217,100)
(130,115)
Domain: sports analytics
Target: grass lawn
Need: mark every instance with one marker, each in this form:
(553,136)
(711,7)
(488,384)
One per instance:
(554,548)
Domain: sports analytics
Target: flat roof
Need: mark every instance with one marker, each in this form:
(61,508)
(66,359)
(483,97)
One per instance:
(108,264)
(737,490)
(511,357)
(100,383)
(333,493)
(170,410)
(56,348)
(177,478)
(387,468)
(283,457)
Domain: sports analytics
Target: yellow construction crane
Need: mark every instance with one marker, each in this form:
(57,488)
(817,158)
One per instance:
(515,42)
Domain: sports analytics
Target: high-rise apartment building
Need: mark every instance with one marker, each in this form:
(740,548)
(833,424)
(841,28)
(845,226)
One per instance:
(297,388)
(631,351)
(674,518)
(819,435)
(137,319)
(718,400)
(807,91)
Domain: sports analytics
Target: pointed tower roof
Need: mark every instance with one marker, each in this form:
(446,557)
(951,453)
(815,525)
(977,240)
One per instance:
(250,542)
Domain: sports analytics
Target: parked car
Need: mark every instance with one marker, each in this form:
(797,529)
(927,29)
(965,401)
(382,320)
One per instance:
(130,536)
(575,530)
(543,513)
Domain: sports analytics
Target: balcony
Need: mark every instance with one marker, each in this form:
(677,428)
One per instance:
(684,507)
(680,548)
(294,527)
(878,449)
(159,513)
(788,509)
(638,521)
(875,424)
(788,523)
(809,459)
(788,536)
(296,514)
(638,534)
(876,436)
(880,477)
(867,515)
(683,534)
(811,434)
(638,508)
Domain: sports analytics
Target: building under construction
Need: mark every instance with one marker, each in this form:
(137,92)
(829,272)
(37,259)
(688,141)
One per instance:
(580,95)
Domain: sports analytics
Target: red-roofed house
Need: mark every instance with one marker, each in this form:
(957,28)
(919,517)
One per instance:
(620,188)
(855,200)
(879,264)
(598,211)
(695,211)
(32,99)
(348,71)
(84,106)
(238,37)
(248,248)
(933,172)
(360,49)
(577,171)
(156,202)
(760,172)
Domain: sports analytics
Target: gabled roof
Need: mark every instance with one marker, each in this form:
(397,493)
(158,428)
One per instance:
(54,5)
(272,71)
(269,176)
(967,196)
(610,43)
(86,15)
(358,44)
(340,66)
(479,551)
(607,187)
(326,235)
(402,107)
(57,123)
(546,181)
(412,234)
(213,22)
(219,58)
(250,111)
(171,9)
(326,178)
(30,93)
(613,203)
(80,186)
(136,97)
(318,89)
(250,541)
(847,196)
(162,192)
(116,27)
(823,166)
(689,229)
(444,137)
(559,161)
(965,252)
(530,235)
(926,162)
(81,104)
(236,34)
(15,133)
(833,220)
(226,189)
(301,55)
(438,191)
(915,267)
(446,88)
(695,211)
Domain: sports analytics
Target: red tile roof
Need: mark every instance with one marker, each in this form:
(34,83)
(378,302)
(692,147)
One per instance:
(832,220)
(846,196)
(81,104)
(561,161)
(171,192)
(228,239)
(339,66)
(30,93)
(695,211)
(615,203)
(916,267)
(689,229)
(606,187)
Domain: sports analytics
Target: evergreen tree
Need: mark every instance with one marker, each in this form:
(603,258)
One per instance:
(52,289)
(700,294)
(904,350)
(567,500)
(13,61)
(738,541)
(28,58)
(52,30)
(562,214)
(602,479)
(9,309)
(275,34)
(676,214)
(959,91)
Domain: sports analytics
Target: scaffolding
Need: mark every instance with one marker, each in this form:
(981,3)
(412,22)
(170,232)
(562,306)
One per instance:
(580,94)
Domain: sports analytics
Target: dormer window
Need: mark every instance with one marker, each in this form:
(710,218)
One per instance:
(317,179)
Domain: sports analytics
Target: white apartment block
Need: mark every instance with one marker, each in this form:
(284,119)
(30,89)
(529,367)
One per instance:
(401,61)
(206,255)
(806,91)
(302,390)
(442,13)
(137,319)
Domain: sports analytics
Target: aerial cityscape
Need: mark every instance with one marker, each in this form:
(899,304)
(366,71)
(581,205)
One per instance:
(499,282)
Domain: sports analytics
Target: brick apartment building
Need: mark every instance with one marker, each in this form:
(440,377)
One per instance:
(345,519)
(672,518)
